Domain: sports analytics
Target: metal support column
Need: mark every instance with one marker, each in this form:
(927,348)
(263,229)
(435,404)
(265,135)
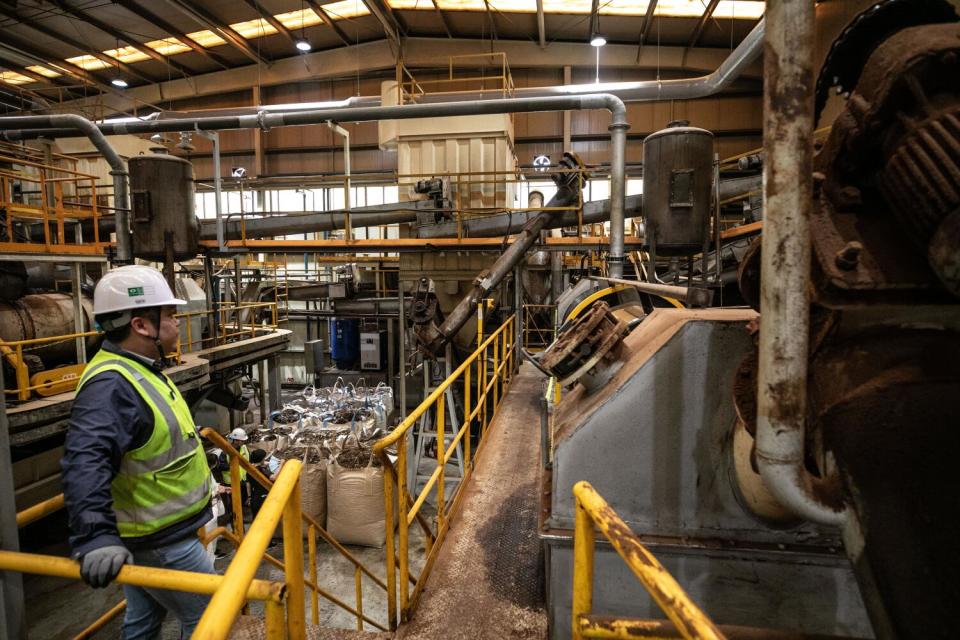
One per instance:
(12,622)
(518,308)
(76,277)
(264,399)
(273,381)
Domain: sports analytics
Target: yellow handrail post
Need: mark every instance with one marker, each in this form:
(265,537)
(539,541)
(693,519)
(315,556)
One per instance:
(358,580)
(496,374)
(402,552)
(441,450)
(232,592)
(689,620)
(293,565)
(388,492)
(312,556)
(236,497)
(275,622)
(583,548)
(466,418)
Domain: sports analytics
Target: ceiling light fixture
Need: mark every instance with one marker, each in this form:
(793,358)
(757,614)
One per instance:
(303,44)
(597,40)
(119,82)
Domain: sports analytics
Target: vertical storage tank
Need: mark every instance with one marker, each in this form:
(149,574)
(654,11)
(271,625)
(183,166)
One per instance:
(162,195)
(677,187)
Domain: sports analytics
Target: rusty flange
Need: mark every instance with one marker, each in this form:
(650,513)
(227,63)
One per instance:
(589,350)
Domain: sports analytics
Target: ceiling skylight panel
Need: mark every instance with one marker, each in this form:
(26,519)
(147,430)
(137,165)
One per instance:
(206,38)
(43,71)
(256,28)
(88,62)
(298,19)
(346,9)
(167,46)
(126,54)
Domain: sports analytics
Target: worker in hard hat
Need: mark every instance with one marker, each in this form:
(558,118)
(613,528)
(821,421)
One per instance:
(135,477)
(237,439)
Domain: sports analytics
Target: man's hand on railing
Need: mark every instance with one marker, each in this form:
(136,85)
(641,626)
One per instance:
(99,567)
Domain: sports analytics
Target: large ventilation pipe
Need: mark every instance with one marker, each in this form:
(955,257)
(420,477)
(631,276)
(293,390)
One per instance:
(434,338)
(785,268)
(263,120)
(118,167)
(740,58)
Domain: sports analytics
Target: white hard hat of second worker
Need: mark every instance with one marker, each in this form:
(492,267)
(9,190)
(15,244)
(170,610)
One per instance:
(132,287)
(239,435)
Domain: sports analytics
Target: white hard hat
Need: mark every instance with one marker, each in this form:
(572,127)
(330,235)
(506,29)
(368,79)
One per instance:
(238,434)
(132,287)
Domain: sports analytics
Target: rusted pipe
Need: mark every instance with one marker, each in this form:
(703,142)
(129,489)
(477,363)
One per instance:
(785,268)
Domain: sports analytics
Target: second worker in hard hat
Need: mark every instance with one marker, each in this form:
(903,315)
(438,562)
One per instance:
(135,476)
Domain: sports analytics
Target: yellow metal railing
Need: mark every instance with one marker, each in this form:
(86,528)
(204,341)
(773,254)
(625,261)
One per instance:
(485,376)
(271,593)
(65,378)
(238,328)
(45,382)
(688,620)
(314,529)
(48,203)
(232,594)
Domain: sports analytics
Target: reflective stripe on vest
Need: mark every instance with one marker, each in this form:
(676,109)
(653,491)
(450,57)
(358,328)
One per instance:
(148,514)
(179,446)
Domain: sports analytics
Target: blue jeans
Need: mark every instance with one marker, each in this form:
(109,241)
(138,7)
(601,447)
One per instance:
(146,608)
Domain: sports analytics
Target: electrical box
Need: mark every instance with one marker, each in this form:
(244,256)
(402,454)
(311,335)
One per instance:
(314,357)
(373,350)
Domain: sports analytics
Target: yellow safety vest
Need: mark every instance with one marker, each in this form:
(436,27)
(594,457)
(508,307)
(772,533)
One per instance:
(165,480)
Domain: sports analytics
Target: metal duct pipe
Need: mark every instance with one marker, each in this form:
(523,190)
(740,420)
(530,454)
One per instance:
(510,258)
(292,223)
(618,131)
(118,167)
(596,211)
(729,70)
(785,268)
(503,224)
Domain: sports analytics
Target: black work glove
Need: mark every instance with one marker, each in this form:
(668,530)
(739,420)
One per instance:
(99,567)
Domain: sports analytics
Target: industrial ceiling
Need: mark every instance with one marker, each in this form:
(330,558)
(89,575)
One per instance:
(61,50)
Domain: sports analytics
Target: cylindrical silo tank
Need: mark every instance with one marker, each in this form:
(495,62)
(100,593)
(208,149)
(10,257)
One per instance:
(44,315)
(677,188)
(162,197)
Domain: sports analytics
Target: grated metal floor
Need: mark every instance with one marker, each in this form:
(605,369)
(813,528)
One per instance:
(488,579)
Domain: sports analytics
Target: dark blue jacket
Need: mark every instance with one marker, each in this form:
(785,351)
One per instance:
(109,418)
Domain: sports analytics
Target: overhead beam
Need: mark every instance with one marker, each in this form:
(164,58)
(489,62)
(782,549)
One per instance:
(647,24)
(443,17)
(76,44)
(387,20)
(273,22)
(151,17)
(208,20)
(424,53)
(541,25)
(317,9)
(119,35)
(702,22)
(49,84)
(20,46)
